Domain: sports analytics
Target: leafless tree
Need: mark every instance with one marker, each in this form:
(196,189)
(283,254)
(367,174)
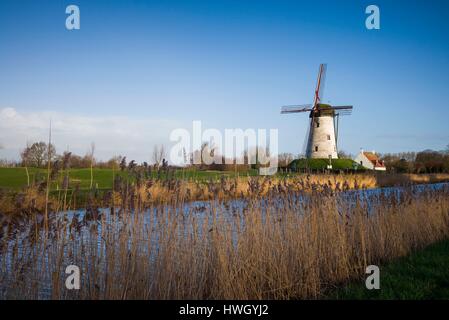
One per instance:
(285,158)
(158,155)
(36,154)
(114,162)
(344,155)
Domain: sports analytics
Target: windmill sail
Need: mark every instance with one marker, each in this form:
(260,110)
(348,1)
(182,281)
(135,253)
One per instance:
(319,91)
(296,108)
(307,146)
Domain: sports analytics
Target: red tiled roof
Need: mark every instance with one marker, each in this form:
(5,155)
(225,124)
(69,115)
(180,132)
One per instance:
(374,159)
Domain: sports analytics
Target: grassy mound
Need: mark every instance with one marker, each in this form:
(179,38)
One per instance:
(318,164)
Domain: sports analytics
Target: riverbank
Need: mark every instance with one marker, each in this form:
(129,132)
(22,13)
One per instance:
(421,275)
(116,189)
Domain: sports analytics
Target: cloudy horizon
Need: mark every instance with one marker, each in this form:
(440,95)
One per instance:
(112,135)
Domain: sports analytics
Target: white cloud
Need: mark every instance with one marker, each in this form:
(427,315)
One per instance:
(113,135)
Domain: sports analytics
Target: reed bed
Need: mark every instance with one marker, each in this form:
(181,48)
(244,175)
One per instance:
(277,242)
(156,191)
(410,178)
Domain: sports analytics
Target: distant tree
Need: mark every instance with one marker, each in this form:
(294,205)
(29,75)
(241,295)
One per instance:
(284,159)
(429,161)
(446,162)
(77,161)
(401,162)
(113,163)
(158,155)
(344,155)
(36,154)
(409,156)
(5,163)
(400,166)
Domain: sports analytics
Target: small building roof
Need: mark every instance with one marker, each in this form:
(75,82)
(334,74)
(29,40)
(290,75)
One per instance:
(371,156)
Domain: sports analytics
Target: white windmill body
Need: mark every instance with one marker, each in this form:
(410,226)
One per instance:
(322,142)
(323,127)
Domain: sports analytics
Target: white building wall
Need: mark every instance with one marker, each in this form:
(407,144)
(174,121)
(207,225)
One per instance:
(321,142)
(363,161)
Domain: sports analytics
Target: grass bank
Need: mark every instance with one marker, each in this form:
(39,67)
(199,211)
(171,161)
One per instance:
(423,274)
(16,178)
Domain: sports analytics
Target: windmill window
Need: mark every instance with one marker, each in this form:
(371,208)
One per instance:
(328,137)
(317,124)
(316,148)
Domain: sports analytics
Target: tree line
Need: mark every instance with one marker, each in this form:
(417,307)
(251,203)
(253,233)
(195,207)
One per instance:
(37,154)
(427,161)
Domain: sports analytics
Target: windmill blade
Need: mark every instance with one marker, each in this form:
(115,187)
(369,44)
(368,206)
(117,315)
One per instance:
(343,112)
(341,107)
(319,90)
(296,108)
(307,139)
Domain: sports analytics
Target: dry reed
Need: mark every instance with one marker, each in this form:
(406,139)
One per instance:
(283,240)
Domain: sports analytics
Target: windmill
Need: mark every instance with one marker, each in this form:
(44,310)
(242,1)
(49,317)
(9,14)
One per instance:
(322,133)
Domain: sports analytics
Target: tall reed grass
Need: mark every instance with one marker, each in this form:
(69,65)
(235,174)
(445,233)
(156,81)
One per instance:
(283,243)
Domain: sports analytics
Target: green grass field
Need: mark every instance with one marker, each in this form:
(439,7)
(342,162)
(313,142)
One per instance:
(420,275)
(16,178)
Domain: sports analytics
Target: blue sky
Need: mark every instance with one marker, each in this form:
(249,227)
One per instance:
(138,69)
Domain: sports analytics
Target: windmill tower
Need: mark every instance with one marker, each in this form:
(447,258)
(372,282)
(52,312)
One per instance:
(322,133)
